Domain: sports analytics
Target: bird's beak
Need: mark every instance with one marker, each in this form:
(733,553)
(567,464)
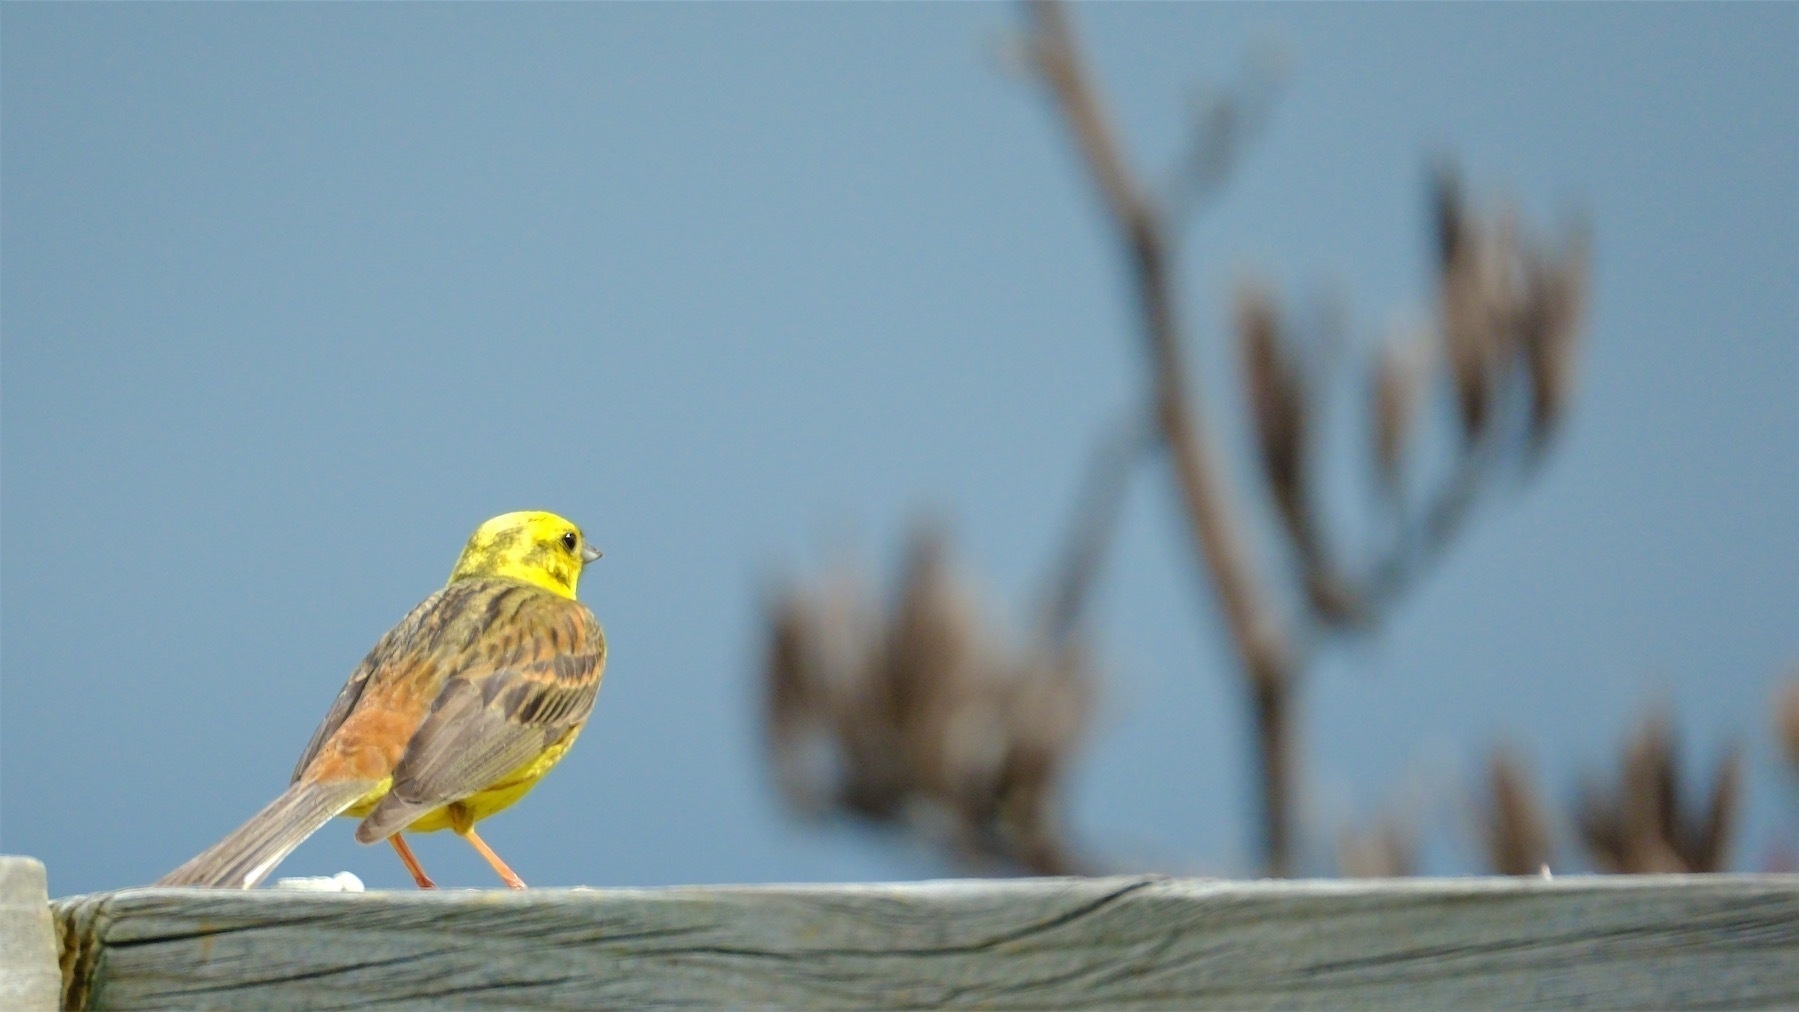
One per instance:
(588,554)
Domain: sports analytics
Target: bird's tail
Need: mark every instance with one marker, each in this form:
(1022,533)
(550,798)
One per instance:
(246,857)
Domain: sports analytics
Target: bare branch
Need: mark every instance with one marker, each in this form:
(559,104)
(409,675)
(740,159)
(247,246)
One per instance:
(1060,67)
(1209,500)
(1096,519)
(1225,123)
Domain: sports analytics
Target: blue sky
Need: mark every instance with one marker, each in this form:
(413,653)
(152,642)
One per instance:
(294,296)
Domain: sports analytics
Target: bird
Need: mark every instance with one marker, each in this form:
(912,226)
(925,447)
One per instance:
(454,715)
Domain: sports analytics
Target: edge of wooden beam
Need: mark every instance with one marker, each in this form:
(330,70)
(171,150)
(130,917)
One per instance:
(29,978)
(1664,941)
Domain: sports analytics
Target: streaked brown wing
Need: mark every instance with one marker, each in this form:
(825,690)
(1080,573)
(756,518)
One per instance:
(529,684)
(402,637)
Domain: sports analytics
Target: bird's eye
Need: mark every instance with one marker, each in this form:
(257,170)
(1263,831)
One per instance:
(569,540)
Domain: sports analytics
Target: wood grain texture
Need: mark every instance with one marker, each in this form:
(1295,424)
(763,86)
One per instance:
(1664,942)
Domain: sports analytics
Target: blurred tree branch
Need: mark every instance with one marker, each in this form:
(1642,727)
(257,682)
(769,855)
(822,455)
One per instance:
(1096,519)
(1508,313)
(922,718)
(1211,504)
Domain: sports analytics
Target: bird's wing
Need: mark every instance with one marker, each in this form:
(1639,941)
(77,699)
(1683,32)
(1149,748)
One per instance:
(522,690)
(401,638)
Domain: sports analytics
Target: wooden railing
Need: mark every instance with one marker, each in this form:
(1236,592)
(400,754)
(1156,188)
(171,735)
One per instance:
(1638,942)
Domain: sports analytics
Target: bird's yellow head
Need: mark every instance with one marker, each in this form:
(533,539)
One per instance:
(536,547)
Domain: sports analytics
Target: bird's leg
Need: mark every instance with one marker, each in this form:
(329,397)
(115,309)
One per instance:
(506,874)
(412,863)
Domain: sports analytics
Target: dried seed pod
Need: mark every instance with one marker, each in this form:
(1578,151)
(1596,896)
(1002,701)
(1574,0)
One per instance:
(1551,331)
(1786,720)
(1397,388)
(1468,334)
(1466,354)
(1517,829)
(1277,399)
(1388,849)
(1643,824)
(1483,293)
(1448,216)
(793,707)
(923,719)
(1705,843)
(818,643)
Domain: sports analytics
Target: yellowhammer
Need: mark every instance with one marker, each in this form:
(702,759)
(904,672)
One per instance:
(456,713)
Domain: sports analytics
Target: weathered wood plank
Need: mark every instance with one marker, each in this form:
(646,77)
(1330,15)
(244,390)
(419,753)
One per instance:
(28,978)
(1665,942)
